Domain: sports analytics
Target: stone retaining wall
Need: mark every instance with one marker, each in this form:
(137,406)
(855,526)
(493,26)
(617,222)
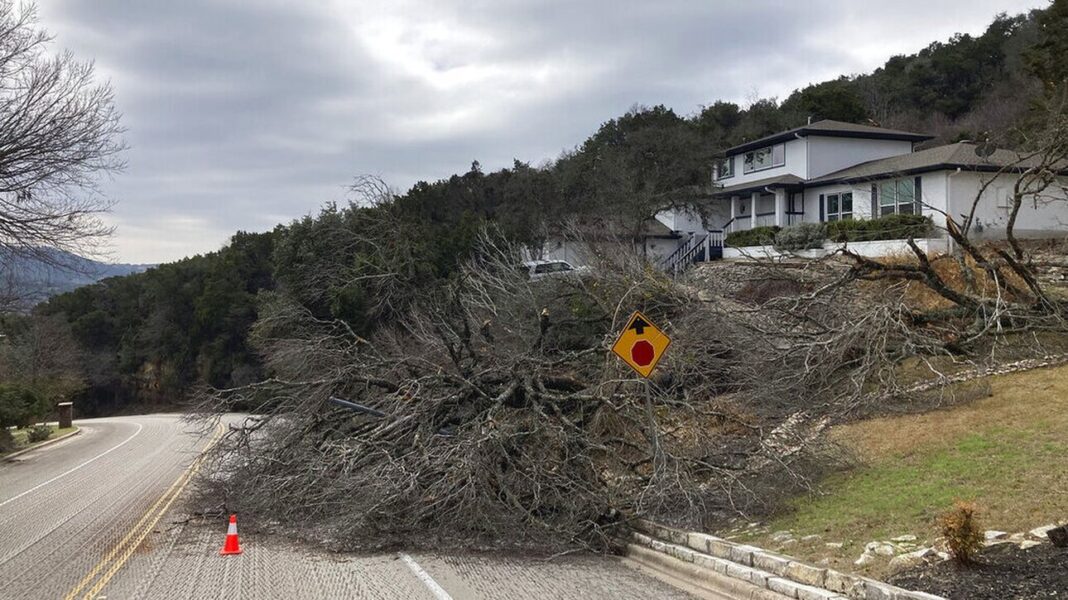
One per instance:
(776,572)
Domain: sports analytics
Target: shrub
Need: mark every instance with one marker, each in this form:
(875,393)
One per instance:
(21,405)
(38,433)
(963,533)
(890,227)
(758,236)
(803,236)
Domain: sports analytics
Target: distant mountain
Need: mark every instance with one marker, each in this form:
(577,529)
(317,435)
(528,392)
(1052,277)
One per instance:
(26,280)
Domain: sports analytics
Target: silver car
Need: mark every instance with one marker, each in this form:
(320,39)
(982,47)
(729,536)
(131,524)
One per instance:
(538,269)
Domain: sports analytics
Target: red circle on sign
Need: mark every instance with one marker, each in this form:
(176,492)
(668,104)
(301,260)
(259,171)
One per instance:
(642,353)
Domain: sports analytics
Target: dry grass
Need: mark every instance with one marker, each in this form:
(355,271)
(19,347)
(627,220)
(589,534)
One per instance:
(920,297)
(1035,401)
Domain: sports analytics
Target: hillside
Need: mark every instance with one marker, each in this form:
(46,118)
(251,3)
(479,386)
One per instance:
(33,279)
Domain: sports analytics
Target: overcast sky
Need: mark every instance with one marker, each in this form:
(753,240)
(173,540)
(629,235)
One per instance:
(243,114)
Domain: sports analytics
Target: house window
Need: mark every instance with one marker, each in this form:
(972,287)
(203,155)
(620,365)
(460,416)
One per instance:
(725,168)
(1004,196)
(898,196)
(840,206)
(764,158)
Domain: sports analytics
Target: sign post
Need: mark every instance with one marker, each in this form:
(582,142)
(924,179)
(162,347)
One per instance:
(641,345)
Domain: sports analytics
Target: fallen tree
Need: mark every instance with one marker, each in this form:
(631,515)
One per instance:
(493,414)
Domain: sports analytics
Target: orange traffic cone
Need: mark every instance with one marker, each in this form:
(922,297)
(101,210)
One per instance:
(232,546)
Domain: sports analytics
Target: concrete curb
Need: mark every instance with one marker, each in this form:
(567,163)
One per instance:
(760,569)
(42,444)
(719,584)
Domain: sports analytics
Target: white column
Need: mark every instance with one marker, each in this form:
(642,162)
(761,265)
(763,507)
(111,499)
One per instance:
(754,200)
(734,210)
(780,207)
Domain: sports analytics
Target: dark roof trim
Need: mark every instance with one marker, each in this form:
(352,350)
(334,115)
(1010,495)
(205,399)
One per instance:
(919,170)
(806,131)
(756,186)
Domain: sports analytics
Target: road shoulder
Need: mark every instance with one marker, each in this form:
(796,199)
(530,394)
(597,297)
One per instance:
(39,445)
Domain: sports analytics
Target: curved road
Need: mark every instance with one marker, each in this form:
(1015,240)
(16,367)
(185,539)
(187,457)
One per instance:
(99,516)
(65,507)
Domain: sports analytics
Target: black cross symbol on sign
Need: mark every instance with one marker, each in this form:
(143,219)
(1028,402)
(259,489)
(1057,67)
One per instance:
(638,325)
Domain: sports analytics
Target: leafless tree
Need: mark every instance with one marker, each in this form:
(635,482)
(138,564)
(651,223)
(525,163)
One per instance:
(59,131)
(40,351)
(992,286)
(371,190)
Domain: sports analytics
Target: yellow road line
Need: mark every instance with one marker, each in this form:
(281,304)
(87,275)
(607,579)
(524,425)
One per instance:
(92,593)
(133,530)
(180,484)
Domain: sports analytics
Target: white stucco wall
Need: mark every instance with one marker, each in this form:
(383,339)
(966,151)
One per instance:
(796,161)
(869,249)
(670,218)
(690,222)
(952,192)
(657,249)
(814,156)
(934,195)
(829,154)
(576,253)
(582,254)
(1045,216)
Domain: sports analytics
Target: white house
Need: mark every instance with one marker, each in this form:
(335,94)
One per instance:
(830,170)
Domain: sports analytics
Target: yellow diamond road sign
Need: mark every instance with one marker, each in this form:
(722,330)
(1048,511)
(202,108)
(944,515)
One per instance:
(641,344)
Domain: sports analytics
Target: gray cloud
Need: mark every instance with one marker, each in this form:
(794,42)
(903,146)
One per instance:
(244,114)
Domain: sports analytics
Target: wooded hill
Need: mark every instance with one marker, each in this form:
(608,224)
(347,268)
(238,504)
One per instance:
(29,280)
(153,336)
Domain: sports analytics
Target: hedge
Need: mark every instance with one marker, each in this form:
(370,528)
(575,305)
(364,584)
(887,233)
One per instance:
(802,236)
(758,236)
(890,227)
(810,235)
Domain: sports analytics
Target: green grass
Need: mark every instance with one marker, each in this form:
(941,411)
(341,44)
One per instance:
(1007,452)
(20,435)
(895,497)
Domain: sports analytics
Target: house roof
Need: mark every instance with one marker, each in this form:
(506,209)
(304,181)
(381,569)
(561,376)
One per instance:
(758,185)
(963,155)
(654,228)
(830,128)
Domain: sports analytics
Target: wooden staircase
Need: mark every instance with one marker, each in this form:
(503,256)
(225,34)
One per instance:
(701,247)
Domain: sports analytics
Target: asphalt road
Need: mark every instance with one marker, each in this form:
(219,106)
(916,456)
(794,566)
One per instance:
(100,516)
